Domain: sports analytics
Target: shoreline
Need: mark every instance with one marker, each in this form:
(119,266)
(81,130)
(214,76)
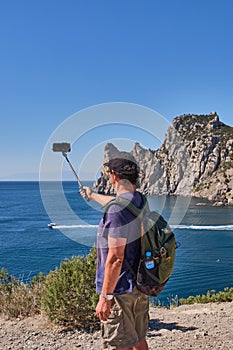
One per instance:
(203,200)
(197,326)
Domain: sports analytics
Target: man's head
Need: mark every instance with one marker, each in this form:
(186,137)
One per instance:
(124,165)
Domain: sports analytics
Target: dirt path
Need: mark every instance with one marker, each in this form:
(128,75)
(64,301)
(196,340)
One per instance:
(198,326)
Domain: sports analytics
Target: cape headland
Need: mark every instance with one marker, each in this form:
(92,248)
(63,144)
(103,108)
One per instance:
(195,159)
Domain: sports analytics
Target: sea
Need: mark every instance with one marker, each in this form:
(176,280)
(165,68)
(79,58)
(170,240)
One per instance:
(204,258)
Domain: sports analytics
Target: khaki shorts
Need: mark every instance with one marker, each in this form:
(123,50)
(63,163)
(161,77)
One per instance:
(128,322)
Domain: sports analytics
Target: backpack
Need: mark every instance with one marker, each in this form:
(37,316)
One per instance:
(157,238)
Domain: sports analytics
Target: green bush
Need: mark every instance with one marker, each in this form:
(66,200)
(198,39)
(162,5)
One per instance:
(19,299)
(210,296)
(68,295)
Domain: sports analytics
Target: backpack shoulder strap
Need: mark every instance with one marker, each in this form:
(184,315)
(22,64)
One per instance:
(107,206)
(126,203)
(140,213)
(111,202)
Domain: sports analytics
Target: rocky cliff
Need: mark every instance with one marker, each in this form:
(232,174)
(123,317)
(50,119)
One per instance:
(195,159)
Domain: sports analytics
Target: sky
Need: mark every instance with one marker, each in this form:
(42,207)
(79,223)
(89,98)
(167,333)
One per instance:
(60,57)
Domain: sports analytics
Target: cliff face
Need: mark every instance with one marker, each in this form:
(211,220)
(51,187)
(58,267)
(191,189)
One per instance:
(195,159)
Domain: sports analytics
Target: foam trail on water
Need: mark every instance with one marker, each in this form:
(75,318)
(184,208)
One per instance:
(180,227)
(73,226)
(204,227)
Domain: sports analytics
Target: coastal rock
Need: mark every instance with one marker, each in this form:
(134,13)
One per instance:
(195,159)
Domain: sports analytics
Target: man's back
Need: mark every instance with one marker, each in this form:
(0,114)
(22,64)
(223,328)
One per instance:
(120,222)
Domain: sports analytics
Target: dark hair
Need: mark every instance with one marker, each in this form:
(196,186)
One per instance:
(133,178)
(124,165)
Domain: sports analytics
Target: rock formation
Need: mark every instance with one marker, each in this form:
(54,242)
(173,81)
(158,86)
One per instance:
(195,159)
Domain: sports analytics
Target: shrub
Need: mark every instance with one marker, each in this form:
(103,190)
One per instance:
(68,295)
(18,299)
(210,296)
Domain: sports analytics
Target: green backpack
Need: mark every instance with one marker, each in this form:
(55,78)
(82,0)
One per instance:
(158,239)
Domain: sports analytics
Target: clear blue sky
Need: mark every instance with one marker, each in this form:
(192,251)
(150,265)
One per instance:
(61,56)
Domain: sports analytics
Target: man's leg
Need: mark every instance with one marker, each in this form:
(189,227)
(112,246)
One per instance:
(142,345)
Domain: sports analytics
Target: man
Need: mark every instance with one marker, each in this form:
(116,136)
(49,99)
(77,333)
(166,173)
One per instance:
(122,309)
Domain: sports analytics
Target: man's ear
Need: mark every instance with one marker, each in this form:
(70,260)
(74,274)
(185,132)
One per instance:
(115,176)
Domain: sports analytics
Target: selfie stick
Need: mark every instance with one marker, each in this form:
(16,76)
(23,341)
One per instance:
(64,148)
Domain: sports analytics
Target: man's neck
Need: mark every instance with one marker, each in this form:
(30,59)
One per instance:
(123,186)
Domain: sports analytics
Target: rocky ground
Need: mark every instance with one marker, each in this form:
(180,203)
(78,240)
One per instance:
(198,326)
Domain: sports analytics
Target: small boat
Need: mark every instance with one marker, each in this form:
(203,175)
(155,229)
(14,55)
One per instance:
(52,224)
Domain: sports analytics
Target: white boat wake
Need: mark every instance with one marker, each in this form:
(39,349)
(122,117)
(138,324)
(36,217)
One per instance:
(55,226)
(204,227)
(180,227)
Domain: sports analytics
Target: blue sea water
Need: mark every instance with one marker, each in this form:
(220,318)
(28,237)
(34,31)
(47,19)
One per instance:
(27,246)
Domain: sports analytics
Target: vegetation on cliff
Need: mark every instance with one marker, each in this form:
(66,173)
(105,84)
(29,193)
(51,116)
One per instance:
(195,159)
